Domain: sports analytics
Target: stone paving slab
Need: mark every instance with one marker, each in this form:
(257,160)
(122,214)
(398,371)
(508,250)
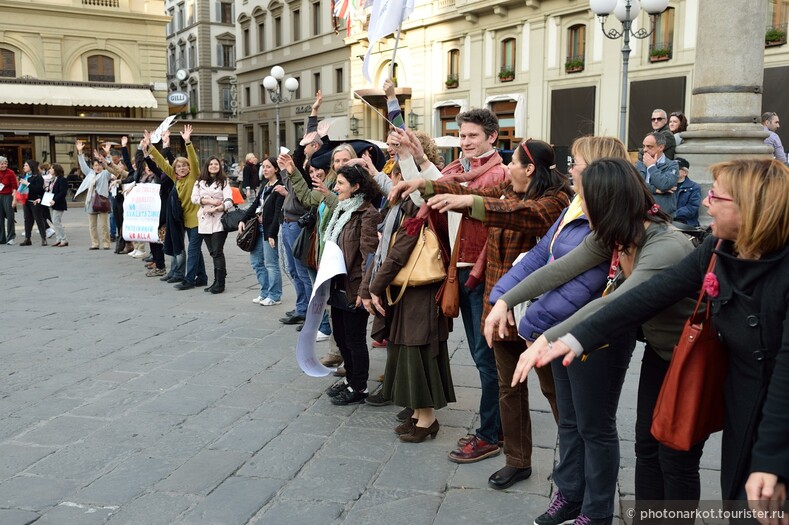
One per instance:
(127,402)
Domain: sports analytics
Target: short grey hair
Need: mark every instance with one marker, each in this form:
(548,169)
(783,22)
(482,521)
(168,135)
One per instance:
(660,138)
(3,159)
(661,111)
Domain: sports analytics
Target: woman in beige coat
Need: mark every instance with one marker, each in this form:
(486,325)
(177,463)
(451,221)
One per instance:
(212,193)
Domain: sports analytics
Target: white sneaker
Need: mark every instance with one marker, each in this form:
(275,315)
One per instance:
(139,255)
(269,302)
(11,242)
(50,232)
(257,300)
(321,337)
(133,253)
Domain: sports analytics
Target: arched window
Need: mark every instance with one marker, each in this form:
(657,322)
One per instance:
(7,63)
(661,43)
(576,48)
(453,68)
(101,68)
(507,71)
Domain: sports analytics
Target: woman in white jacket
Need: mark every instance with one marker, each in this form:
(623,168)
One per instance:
(212,193)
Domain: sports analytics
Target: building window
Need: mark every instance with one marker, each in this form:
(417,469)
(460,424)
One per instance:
(453,68)
(182,58)
(171,60)
(776,22)
(576,48)
(180,23)
(277,31)
(226,12)
(507,70)
(227,55)
(316,18)
(245,41)
(192,55)
(262,94)
(193,98)
(227,98)
(296,25)
(339,80)
(247,96)
(171,23)
(505,111)
(297,93)
(261,36)
(7,63)
(316,82)
(661,43)
(101,69)
(190,12)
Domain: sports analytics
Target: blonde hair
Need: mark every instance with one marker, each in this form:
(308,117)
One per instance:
(180,160)
(760,189)
(428,145)
(594,148)
(249,157)
(331,175)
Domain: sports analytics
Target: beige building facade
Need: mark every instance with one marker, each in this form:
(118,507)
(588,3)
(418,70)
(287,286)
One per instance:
(89,69)
(544,66)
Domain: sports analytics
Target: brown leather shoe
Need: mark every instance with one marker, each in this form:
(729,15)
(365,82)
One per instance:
(331,360)
(406,427)
(465,439)
(475,450)
(419,434)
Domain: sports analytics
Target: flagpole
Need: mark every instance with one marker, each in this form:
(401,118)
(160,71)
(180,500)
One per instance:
(397,42)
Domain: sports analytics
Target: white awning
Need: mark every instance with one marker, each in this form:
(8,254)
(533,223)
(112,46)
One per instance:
(77,96)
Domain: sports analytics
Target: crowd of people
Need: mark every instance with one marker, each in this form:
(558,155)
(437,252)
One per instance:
(539,266)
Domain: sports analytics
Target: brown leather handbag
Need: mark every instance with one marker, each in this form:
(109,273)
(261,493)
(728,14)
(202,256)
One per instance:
(690,405)
(448,295)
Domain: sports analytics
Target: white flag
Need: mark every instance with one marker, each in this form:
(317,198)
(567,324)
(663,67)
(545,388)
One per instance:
(386,17)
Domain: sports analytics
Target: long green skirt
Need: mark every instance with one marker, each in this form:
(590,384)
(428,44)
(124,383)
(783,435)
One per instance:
(419,376)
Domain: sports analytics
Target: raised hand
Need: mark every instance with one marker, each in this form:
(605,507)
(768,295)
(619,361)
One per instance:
(404,188)
(106,147)
(318,101)
(79,145)
(124,141)
(285,161)
(166,138)
(414,145)
(186,134)
(389,88)
(318,184)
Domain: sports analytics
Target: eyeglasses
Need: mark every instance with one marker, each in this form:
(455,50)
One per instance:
(574,163)
(658,119)
(528,153)
(711,196)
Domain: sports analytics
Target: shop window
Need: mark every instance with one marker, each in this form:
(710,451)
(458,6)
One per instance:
(101,68)
(7,63)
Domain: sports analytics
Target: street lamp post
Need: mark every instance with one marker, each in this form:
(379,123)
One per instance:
(272,85)
(626,11)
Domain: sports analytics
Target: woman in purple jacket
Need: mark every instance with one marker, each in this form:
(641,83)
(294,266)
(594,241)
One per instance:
(587,396)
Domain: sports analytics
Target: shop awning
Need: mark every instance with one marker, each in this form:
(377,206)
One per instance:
(112,97)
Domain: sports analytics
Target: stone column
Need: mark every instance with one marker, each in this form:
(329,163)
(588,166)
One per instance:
(727,86)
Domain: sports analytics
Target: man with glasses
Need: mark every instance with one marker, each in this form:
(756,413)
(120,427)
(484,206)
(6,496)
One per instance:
(660,173)
(772,124)
(660,125)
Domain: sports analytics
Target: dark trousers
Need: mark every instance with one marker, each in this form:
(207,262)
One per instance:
(662,473)
(195,264)
(34,213)
(482,354)
(215,242)
(6,215)
(157,252)
(350,333)
(514,402)
(587,393)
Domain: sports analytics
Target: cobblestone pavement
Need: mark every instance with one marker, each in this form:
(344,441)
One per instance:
(124,401)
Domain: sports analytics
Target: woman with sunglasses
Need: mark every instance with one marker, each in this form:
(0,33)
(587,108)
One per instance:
(638,240)
(748,290)
(516,213)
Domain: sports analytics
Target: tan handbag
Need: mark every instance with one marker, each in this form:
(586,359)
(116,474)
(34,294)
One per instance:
(424,265)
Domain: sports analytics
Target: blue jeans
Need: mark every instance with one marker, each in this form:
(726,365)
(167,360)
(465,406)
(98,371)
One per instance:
(298,270)
(325,326)
(113,224)
(265,261)
(587,395)
(471,310)
(195,264)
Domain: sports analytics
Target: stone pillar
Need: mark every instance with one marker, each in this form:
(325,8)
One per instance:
(727,86)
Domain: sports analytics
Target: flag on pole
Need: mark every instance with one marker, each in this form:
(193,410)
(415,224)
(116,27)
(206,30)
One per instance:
(386,18)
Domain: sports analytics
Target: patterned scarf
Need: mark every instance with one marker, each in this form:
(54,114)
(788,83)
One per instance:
(341,215)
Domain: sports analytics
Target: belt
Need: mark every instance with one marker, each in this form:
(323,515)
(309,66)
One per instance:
(291,220)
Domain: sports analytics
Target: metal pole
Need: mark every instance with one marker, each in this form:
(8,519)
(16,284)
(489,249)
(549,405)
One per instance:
(277,124)
(625,64)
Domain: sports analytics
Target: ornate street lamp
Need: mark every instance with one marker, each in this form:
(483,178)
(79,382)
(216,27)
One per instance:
(272,85)
(626,11)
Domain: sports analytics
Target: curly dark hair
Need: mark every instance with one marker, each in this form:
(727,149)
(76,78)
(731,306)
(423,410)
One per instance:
(357,174)
(483,117)
(618,202)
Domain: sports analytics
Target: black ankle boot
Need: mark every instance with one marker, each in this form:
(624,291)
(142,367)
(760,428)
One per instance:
(219,287)
(213,284)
